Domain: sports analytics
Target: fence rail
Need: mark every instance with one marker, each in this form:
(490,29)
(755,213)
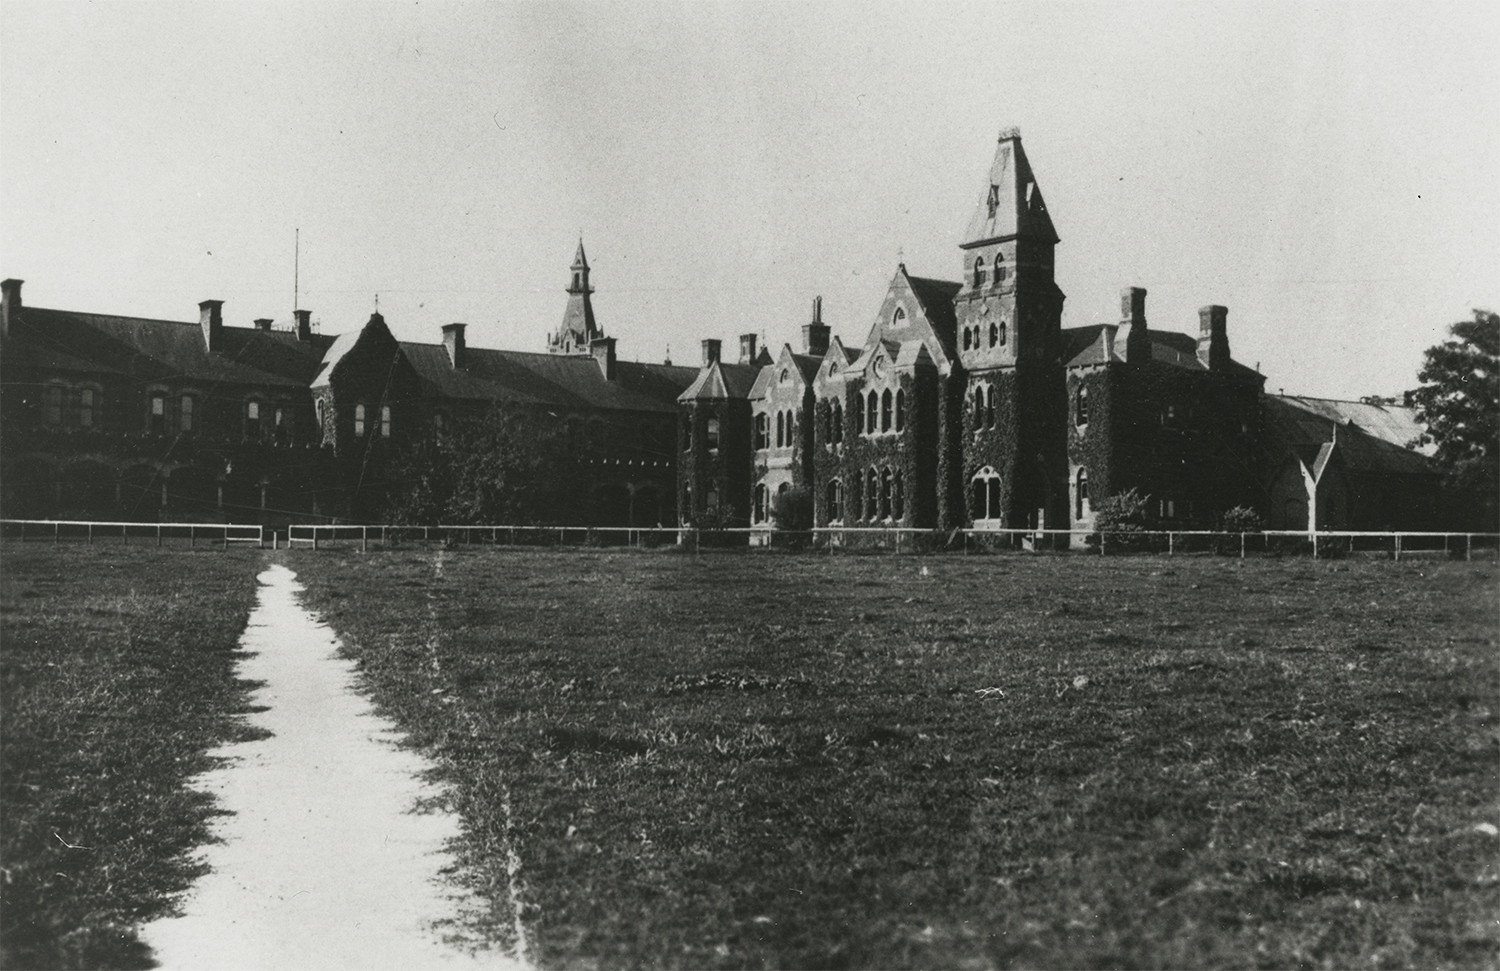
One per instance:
(90,531)
(829,539)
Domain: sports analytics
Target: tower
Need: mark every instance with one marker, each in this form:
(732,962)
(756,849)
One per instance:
(1008,314)
(578,330)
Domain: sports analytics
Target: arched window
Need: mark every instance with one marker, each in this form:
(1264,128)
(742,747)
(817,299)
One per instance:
(899,317)
(760,502)
(852,497)
(900,410)
(994,332)
(320,414)
(872,411)
(780,429)
(978,408)
(837,431)
(1081,405)
(359,421)
(872,495)
(984,496)
(885,493)
(1081,495)
(85,407)
(831,500)
(1002,332)
(989,406)
(385,420)
(859,418)
(185,412)
(157,418)
(898,497)
(999,268)
(978,272)
(252,420)
(762,424)
(886,401)
(968,338)
(713,435)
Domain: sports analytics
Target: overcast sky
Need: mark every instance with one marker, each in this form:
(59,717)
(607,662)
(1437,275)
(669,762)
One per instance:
(1329,172)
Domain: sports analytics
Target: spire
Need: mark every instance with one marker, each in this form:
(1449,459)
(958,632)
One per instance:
(578,328)
(1012,202)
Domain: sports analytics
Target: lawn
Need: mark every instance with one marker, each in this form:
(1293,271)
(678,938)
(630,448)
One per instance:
(797,761)
(116,677)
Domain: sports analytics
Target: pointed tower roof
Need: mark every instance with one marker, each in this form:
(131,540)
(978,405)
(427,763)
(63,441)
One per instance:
(578,327)
(1012,202)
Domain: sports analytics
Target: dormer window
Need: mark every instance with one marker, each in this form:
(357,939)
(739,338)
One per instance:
(993,202)
(978,272)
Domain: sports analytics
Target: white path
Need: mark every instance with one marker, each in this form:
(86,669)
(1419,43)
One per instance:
(323,863)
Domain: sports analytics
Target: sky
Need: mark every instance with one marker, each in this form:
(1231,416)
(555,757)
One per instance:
(1329,172)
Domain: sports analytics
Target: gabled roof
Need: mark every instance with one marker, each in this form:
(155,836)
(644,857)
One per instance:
(1011,204)
(720,381)
(934,324)
(1315,434)
(1392,423)
(1095,344)
(145,349)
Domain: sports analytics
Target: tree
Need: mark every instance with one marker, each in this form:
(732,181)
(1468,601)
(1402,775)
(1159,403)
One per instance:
(1459,402)
(507,467)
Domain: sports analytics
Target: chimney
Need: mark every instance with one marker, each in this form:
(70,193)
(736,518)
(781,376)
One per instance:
(262,323)
(453,340)
(815,334)
(710,351)
(603,349)
(1213,337)
(304,324)
(10,305)
(1131,338)
(747,348)
(211,319)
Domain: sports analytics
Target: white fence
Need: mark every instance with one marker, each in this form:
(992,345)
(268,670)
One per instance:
(830,539)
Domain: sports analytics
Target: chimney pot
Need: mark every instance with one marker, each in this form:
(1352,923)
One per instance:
(304,324)
(211,320)
(1131,338)
(815,334)
(1213,337)
(603,349)
(453,340)
(747,348)
(263,323)
(711,351)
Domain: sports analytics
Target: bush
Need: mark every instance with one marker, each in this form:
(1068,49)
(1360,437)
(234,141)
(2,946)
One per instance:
(793,509)
(1240,519)
(1121,516)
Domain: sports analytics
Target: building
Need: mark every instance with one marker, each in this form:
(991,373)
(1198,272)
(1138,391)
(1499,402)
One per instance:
(967,404)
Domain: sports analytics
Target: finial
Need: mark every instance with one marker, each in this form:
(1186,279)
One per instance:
(377,303)
(1011,132)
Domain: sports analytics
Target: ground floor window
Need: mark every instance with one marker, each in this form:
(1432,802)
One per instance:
(984,495)
(831,497)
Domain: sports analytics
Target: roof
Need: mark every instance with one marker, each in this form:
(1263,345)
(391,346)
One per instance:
(936,298)
(1092,345)
(1315,433)
(1017,209)
(1391,423)
(559,380)
(146,349)
(719,381)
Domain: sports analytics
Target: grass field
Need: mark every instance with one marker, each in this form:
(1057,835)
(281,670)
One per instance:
(782,761)
(116,677)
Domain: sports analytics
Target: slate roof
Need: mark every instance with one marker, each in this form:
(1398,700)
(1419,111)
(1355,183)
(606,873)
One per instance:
(560,380)
(1019,208)
(936,298)
(1084,346)
(1395,424)
(1313,428)
(145,349)
(719,381)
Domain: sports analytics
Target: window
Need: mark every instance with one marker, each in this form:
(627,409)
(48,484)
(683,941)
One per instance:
(252,420)
(713,435)
(359,421)
(885,493)
(1167,508)
(786,376)
(838,422)
(687,432)
(999,268)
(984,495)
(900,410)
(1081,405)
(899,317)
(385,420)
(872,409)
(831,497)
(86,408)
(780,430)
(994,333)
(760,502)
(993,201)
(872,495)
(978,409)
(281,426)
(968,338)
(158,416)
(1169,415)
(978,272)
(711,496)
(898,497)
(762,424)
(859,418)
(790,428)
(320,414)
(1081,495)
(52,398)
(886,401)
(185,413)
(1001,325)
(989,406)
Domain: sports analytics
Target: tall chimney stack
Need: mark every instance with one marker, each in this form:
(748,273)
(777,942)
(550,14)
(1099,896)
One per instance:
(10,305)
(1213,337)
(263,323)
(304,324)
(815,334)
(1131,338)
(711,351)
(453,340)
(747,348)
(211,320)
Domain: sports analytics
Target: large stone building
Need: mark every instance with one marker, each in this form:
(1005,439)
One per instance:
(967,404)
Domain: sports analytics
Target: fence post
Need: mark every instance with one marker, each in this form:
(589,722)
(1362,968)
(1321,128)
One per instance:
(1468,546)
(1315,544)
(192,536)
(364,539)
(315,536)
(1242,546)
(56,533)
(158,535)
(1397,557)
(1171,544)
(90,540)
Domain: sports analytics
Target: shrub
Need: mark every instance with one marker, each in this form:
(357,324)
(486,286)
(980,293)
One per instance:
(1240,519)
(1120,516)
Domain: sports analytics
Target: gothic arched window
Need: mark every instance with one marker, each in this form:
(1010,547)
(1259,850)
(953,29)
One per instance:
(978,272)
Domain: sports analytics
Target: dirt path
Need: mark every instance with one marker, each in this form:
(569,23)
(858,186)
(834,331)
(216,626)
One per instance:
(323,863)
